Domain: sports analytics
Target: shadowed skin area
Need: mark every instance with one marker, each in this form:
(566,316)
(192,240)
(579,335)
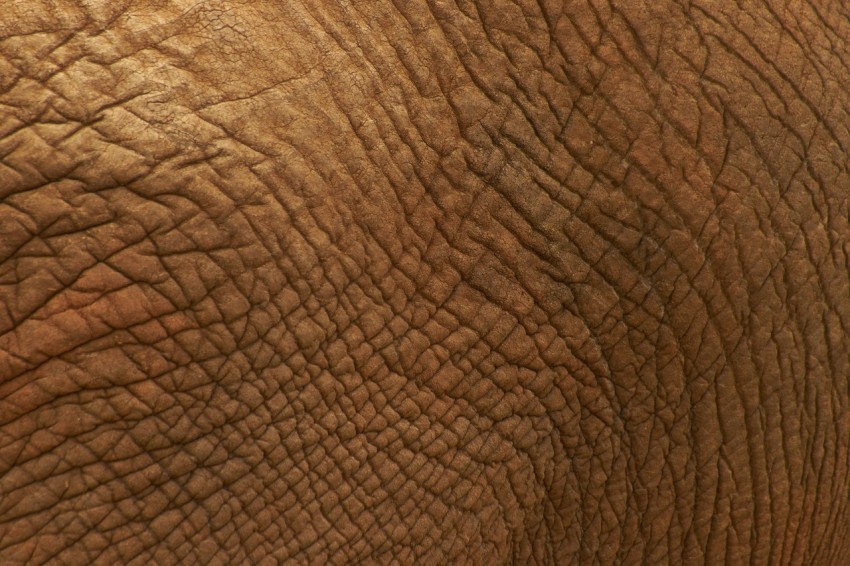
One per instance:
(426,282)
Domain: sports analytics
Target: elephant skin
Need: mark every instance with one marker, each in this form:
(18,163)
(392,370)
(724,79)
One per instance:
(424,282)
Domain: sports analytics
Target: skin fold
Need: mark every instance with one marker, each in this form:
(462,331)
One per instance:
(424,282)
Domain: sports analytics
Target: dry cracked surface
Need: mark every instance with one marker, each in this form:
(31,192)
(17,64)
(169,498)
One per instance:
(424,282)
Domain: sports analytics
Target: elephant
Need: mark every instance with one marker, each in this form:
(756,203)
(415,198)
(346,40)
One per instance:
(424,282)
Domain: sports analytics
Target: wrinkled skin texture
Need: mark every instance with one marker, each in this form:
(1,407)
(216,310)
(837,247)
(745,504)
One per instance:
(483,282)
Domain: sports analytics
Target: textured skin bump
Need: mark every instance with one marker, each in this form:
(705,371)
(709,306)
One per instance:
(424,282)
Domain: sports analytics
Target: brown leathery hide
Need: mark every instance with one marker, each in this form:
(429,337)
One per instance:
(424,282)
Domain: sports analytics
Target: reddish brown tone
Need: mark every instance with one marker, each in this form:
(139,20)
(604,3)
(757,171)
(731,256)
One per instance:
(482,282)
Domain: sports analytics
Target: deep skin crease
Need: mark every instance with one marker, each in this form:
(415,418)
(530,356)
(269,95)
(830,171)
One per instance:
(425,282)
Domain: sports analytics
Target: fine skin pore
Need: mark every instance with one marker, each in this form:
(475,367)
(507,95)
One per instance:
(424,282)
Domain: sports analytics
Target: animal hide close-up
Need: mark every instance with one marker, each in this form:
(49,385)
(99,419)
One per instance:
(424,282)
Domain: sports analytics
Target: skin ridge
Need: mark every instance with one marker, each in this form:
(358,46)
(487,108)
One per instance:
(489,282)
